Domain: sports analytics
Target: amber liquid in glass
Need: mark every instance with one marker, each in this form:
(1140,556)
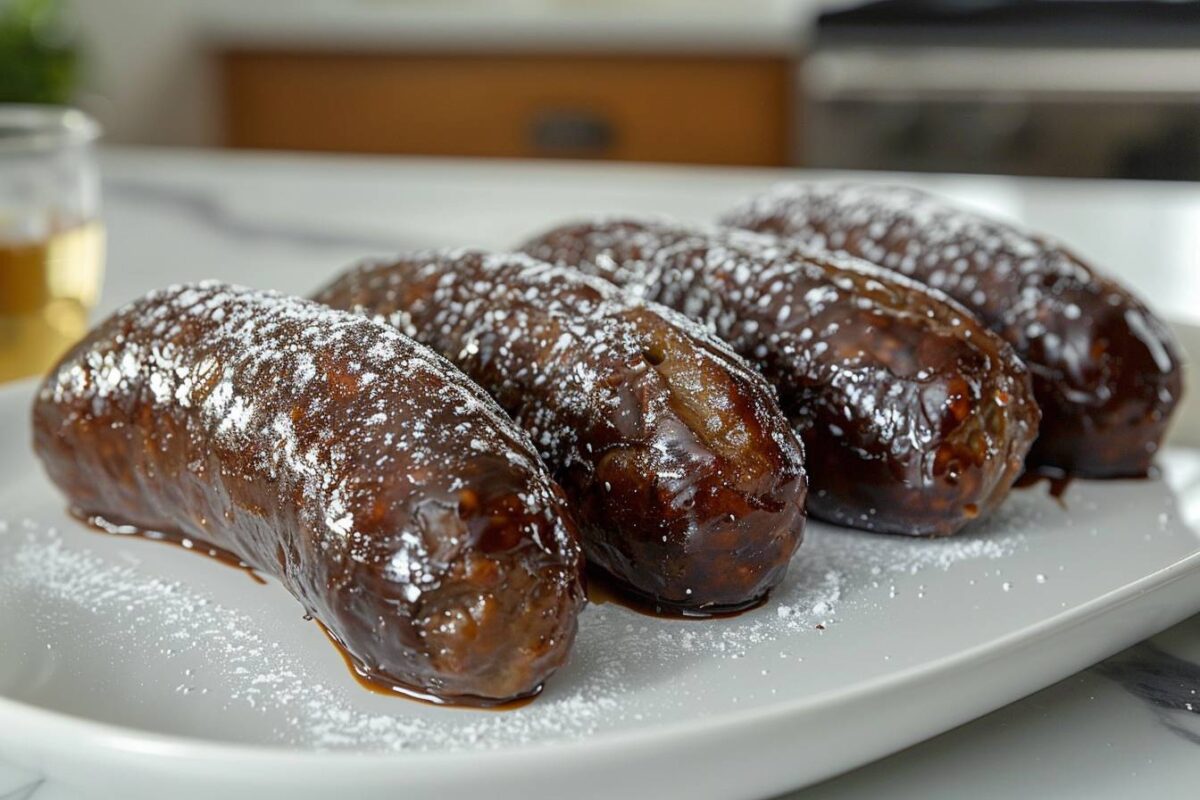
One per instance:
(47,289)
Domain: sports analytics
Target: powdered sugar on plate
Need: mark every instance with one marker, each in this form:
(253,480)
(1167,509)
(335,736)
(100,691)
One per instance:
(244,668)
(138,634)
(247,667)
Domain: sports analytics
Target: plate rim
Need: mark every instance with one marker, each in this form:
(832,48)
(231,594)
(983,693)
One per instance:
(85,733)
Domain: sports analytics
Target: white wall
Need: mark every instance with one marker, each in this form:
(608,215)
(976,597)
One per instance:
(146,76)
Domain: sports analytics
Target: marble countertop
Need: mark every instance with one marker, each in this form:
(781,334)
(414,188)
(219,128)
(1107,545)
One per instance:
(1129,725)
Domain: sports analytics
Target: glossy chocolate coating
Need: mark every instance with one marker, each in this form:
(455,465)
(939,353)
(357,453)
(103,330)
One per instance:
(1106,371)
(915,418)
(387,492)
(684,475)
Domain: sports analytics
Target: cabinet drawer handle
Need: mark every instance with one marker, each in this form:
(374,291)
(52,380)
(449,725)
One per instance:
(571,132)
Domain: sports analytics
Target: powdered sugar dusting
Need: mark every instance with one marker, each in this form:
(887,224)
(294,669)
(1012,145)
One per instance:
(269,338)
(336,454)
(522,326)
(948,244)
(245,668)
(865,363)
(638,411)
(1040,296)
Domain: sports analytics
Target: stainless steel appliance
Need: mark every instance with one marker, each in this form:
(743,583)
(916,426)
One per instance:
(1065,88)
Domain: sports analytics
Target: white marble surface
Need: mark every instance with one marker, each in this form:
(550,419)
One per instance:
(1095,735)
(289,222)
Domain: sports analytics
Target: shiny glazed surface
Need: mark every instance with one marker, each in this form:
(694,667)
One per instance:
(915,418)
(684,475)
(1106,371)
(387,492)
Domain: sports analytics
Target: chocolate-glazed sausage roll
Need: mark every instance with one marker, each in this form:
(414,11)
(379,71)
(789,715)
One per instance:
(685,477)
(387,492)
(915,418)
(1106,371)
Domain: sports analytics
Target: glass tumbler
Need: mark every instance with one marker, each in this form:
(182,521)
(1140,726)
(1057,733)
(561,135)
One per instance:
(51,236)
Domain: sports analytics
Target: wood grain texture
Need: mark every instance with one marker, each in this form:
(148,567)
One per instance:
(686,109)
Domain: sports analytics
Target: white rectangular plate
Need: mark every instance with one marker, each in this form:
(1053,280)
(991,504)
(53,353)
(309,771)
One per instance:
(138,669)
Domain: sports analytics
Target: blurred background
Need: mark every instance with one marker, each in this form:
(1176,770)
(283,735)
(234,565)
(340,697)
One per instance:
(1028,87)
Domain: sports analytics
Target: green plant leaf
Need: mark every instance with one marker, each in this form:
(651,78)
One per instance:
(36,64)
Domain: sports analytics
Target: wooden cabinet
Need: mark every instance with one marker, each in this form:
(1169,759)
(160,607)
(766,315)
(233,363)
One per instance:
(689,109)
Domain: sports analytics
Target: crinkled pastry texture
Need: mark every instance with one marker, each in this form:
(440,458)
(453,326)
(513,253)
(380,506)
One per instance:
(386,491)
(916,419)
(684,474)
(1106,372)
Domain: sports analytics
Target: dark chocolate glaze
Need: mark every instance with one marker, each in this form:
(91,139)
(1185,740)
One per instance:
(915,418)
(684,475)
(1106,371)
(387,492)
(603,588)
